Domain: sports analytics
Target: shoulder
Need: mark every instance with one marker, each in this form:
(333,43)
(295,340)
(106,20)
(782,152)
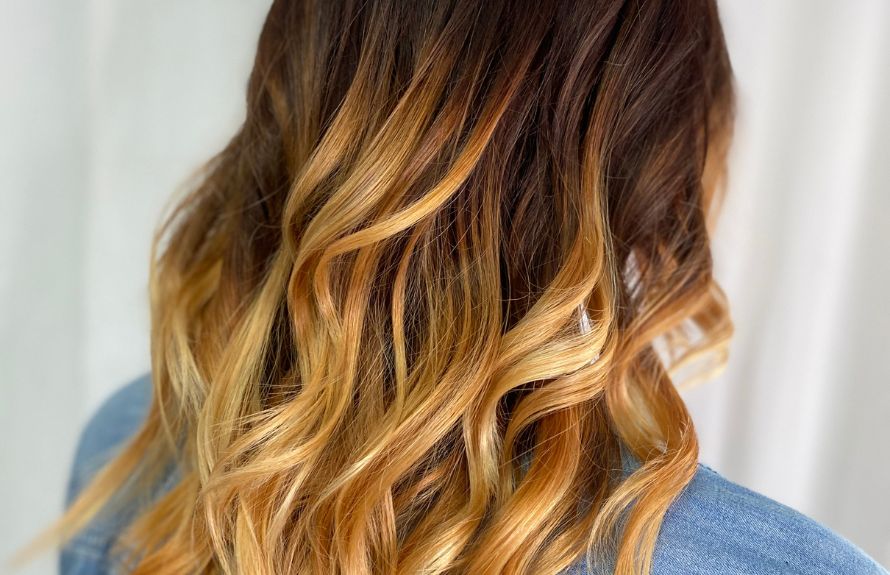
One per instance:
(718,527)
(115,421)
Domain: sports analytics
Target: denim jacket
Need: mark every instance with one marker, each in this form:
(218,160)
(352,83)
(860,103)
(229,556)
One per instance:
(715,527)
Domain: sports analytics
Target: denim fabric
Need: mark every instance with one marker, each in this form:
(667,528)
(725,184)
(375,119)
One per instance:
(715,527)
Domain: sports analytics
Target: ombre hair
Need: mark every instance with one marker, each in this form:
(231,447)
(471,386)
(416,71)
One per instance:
(433,292)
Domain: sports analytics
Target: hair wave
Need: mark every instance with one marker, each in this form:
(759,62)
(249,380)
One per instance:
(408,319)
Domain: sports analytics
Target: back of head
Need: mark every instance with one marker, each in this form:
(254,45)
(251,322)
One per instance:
(408,320)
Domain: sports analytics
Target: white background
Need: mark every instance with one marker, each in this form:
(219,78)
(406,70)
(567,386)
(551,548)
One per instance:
(106,106)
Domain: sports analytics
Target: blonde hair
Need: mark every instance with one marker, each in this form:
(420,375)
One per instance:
(408,319)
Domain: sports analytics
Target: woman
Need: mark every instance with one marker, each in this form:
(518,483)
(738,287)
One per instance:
(422,313)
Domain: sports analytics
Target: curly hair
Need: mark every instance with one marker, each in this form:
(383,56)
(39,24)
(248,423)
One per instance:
(439,283)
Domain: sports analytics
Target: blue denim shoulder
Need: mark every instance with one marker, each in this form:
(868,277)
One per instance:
(116,420)
(719,527)
(716,527)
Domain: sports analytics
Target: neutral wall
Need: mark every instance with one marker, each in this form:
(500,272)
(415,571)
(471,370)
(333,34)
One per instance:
(106,106)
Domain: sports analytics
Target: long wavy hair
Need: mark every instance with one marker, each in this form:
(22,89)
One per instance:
(434,292)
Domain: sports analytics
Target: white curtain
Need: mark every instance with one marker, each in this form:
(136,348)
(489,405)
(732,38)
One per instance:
(803,411)
(106,106)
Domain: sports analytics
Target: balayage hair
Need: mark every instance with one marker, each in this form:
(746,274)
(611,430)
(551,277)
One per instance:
(437,286)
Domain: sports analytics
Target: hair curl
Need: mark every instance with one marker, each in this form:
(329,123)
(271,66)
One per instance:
(410,317)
